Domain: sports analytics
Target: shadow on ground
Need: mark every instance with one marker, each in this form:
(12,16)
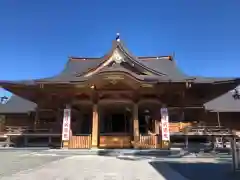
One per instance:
(199,170)
(158,153)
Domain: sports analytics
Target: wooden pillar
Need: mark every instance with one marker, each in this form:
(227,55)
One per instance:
(218,119)
(157,129)
(36,119)
(95,126)
(25,138)
(49,141)
(2,123)
(8,141)
(157,118)
(80,121)
(59,120)
(135,123)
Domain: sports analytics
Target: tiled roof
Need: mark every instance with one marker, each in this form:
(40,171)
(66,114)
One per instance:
(160,66)
(150,69)
(16,105)
(224,103)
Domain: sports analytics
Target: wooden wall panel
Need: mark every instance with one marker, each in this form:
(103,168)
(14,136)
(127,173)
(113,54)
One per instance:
(18,120)
(147,141)
(114,141)
(80,142)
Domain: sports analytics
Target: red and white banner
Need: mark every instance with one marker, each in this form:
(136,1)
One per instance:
(66,124)
(165,124)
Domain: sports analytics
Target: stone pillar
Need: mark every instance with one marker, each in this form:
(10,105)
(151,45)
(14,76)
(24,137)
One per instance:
(135,123)
(95,126)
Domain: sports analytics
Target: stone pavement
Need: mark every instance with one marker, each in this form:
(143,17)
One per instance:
(12,162)
(91,167)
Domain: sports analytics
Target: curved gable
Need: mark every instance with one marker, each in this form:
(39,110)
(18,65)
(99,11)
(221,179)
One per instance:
(80,69)
(120,55)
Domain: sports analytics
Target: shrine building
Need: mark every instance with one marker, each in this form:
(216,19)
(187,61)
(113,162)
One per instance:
(119,100)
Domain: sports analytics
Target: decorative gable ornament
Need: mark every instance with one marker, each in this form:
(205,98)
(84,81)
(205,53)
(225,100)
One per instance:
(117,57)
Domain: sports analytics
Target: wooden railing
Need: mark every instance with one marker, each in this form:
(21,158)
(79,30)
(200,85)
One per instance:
(146,142)
(115,141)
(80,142)
(178,127)
(16,129)
(208,130)
(27,130)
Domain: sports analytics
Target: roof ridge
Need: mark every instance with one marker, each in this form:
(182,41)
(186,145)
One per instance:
(82,58)
(142,58)
(147,58)
(135,59)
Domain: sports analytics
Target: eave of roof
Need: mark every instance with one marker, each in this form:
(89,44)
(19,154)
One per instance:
(17,105)
(223,103)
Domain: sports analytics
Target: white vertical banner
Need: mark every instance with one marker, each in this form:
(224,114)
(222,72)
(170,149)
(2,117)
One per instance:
(165,124)
(66,124)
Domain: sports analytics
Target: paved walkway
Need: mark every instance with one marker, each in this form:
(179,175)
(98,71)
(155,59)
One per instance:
(95,168)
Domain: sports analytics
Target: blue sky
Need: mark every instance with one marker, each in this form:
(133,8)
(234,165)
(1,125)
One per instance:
(36,37)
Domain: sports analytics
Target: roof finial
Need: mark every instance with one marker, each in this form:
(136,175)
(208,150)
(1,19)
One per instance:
(173,55)
(118,37)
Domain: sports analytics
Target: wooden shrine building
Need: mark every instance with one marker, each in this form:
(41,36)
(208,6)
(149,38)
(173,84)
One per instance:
(110,102)
(225,110)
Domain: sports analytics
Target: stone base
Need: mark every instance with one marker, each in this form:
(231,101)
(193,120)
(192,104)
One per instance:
(65,144)
(165,144)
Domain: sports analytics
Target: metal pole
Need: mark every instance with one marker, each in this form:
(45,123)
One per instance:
(238,157)
(186,137)
(186,141)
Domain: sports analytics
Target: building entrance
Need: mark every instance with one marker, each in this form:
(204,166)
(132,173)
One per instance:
(115,121)
(115,127)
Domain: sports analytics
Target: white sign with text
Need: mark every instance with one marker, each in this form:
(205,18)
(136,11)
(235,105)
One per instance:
(66,124)
(165,124)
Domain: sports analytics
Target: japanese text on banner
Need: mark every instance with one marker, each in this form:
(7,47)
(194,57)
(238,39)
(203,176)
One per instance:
(66,124)
(165,124)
